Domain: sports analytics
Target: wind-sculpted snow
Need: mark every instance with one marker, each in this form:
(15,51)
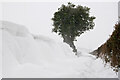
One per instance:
(36,56)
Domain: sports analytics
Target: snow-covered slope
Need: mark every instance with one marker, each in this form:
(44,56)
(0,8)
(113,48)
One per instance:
(26,55)
(0,53)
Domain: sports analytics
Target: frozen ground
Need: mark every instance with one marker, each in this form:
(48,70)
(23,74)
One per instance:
(26,55)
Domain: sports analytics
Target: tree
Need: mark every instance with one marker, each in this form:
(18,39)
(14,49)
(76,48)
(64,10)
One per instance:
(110,50)
(71,21)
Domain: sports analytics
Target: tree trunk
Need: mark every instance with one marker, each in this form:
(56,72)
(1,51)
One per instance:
(69,41)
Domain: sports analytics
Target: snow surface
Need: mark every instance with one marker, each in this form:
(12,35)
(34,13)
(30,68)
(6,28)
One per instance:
(26,55)
(0,53)
(119,75)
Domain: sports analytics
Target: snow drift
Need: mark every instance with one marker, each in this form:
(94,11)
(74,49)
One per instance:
(34,56)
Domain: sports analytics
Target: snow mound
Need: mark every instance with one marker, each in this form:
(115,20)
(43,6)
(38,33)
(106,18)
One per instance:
(36,56)
(14,29)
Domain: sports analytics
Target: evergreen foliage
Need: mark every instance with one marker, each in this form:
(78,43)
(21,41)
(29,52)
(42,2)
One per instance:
(71,21)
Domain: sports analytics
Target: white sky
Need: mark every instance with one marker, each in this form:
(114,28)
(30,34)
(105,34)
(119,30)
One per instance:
(36,16)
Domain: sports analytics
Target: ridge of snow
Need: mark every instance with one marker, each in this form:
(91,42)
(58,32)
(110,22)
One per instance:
(14,29)
(36,56)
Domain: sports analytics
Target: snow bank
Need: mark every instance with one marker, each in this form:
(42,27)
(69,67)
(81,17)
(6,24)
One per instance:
(119,75)
(0,53)
(20,30)
(35,56)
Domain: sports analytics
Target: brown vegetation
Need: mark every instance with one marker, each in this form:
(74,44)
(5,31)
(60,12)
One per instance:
(110,50)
